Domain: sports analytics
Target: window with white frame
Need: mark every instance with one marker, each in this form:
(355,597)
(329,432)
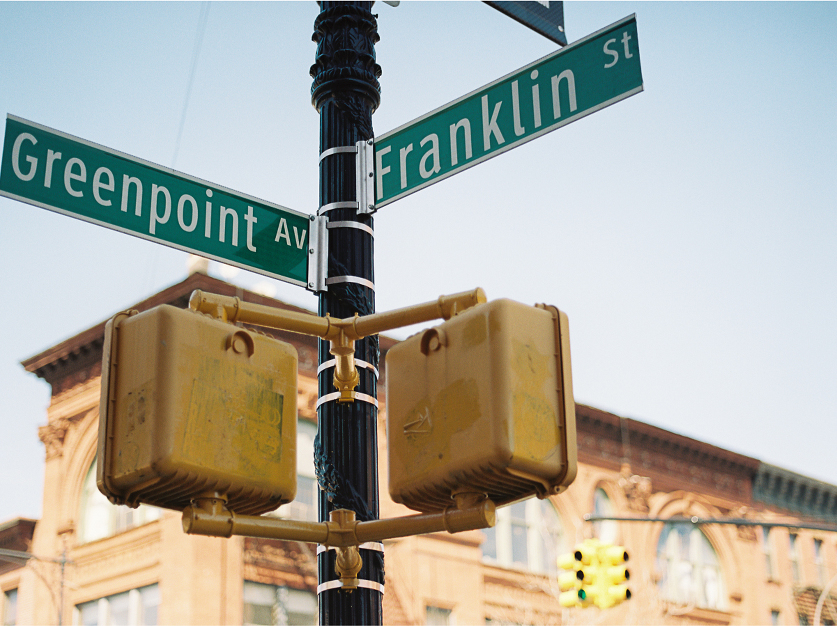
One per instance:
(767,550)
(137,607)
(269,605)
(9,608)
(690,572)
(304,506)
(99,518)
(605,530)
(438,616)
(819,562)
(793,540)
(527,535)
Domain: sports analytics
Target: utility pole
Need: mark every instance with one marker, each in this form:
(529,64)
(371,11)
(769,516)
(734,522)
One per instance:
(346,92)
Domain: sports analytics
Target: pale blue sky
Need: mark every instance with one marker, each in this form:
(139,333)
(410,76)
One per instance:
(689,232)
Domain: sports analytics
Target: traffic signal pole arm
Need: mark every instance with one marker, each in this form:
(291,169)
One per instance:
(208,515)
(342,333)
(232,309)
(444,308)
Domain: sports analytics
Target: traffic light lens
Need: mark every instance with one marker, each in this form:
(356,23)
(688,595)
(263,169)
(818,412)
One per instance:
(578,555)
(627,575)
(627,594)
(580,575)
(582,595)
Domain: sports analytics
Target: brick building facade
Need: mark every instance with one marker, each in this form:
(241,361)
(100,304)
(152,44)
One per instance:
(750,543)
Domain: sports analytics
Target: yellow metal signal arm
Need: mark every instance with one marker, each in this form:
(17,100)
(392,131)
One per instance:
(208,515)
(342,333)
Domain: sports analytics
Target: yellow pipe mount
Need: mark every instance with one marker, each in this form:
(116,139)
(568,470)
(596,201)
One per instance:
(208,515)
(342,333)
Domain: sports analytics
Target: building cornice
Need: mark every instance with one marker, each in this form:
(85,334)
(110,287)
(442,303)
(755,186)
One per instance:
(670,460)
(781,488)
(16,535)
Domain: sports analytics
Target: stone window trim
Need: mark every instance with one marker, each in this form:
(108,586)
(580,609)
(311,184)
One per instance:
(268,604)
(443,612)
(603,502)
(9,613)
(137,607)
(99,519)
(82,435)
(689,568)
(721,538)
(794,556)
(528,536)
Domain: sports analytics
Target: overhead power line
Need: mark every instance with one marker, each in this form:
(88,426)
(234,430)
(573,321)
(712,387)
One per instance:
(700,521)
(202,19)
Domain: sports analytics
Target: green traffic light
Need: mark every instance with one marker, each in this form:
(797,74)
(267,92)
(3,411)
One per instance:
(582,594)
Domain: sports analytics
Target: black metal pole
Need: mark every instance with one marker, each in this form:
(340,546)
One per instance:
(346,92)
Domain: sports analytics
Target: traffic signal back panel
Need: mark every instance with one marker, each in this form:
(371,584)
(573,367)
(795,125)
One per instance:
(482,403)
(192,405)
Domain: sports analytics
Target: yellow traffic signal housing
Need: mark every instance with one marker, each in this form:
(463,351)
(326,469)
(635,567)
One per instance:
(586,553)
(572,598)
(570,582)
(598,572)
(482,403)
(612,573)
(193,405)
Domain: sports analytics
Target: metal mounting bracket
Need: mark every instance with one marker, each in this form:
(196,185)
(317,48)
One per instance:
(365,176)
(364,201)
(318,254)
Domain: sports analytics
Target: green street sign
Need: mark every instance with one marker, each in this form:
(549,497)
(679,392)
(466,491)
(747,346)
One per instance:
(573,82)
(68,175)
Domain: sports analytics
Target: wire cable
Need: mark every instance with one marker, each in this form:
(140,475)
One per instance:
(202,19)
(196,50)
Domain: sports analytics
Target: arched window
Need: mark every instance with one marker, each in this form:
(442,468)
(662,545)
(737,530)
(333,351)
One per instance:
(604,530)
(690,572)
(99,518)
(527,535)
